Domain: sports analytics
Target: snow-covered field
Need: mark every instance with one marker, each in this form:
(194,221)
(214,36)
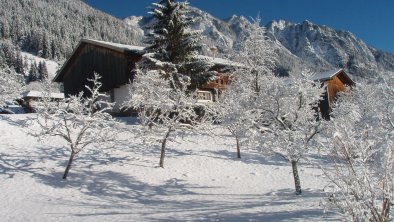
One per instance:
(202,181)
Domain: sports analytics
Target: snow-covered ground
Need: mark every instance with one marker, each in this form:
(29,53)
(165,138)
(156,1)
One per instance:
(202,181)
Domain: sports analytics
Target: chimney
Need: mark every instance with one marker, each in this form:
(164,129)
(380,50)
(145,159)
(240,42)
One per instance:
(213,51)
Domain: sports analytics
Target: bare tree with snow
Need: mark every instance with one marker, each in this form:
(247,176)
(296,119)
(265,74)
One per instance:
(287,118)
(81,120)
(163,101)
(279,114)
(233,111)
(257,54)
(238,101)
(361,149)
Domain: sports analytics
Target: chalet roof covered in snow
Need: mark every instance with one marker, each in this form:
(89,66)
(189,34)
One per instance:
(323,76)
(115,46)
(39,94)
(220,61)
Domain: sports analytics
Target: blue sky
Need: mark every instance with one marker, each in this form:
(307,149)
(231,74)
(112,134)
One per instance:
(370,20)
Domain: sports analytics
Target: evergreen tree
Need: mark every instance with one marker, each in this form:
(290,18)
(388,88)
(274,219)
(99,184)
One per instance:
(18,66)
(171,40)
(46,51)
(42,70)
(33,73)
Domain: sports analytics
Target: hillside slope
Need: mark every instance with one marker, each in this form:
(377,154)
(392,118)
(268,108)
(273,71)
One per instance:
(52,28)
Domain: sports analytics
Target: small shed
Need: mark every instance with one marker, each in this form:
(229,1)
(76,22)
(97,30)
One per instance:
(335,81)
(32,97)
(113,62)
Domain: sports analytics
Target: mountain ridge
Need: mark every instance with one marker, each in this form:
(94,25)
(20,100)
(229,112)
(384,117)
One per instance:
(317,47)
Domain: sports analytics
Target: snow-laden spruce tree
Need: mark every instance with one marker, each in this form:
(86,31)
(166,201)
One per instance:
(360,142)
(164,105)
(11,85)
(81,120)
(171,40)
(237,107)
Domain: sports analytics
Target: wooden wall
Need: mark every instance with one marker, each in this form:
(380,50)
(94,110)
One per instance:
(334,86)
(114,67)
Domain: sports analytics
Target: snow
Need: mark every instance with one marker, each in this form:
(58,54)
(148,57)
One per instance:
(133,20)
(202,181)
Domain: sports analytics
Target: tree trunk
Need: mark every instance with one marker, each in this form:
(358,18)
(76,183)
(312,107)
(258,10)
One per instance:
(163,148)
(69,165)
(386,209)
(297,181)
(238,148)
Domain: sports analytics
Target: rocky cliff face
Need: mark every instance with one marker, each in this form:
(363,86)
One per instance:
(323,45)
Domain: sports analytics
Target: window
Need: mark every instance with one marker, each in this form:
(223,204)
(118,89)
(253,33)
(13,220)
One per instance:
(204,95)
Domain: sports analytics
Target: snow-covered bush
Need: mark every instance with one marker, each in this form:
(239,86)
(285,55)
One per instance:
(11,85)
(361,146)
(80,120)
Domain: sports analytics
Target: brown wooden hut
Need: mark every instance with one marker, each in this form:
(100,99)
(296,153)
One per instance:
(335,81)
(114,62)
(223,76)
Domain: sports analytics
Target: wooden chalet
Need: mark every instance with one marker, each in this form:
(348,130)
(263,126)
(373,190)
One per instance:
(113,62)
(224,74)
(335,81)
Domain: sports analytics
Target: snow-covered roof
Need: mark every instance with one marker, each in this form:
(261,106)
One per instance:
(220,61)
(330,74)
(326,75)
(38,94)
(115,46)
